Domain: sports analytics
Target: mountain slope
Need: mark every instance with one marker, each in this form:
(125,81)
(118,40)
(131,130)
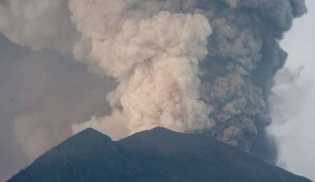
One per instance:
(150,156)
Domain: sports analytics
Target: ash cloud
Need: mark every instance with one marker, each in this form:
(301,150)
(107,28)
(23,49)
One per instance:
(191,66)
(244,56)
(153,55)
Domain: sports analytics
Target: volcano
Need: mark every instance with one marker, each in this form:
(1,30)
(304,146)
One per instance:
(150,156)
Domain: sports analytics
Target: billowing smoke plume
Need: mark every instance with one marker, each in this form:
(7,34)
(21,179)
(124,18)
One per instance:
(188,65)
(154,55)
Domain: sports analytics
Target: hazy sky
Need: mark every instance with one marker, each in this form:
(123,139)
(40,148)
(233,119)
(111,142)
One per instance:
(41,95)
(296,135)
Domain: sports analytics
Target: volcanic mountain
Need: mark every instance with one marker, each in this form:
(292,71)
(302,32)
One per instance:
(158,155)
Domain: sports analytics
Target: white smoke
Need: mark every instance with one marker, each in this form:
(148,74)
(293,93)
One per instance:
(154,58)
(151,48)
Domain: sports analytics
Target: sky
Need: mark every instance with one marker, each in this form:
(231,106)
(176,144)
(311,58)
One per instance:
(294,129)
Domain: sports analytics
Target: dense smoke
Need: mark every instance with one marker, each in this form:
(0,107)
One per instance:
(188,65)
(154,55)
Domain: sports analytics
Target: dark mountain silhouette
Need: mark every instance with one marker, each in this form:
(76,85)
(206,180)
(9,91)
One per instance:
(158,155)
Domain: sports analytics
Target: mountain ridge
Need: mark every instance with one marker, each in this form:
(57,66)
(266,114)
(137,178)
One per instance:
(150,156)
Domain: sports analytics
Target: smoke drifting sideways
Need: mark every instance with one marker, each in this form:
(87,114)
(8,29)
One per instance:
(293,99)
(292,102)
(41,96)
(188,65)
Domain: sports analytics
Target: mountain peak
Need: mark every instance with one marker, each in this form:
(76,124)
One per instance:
(91,133)
(154,155)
